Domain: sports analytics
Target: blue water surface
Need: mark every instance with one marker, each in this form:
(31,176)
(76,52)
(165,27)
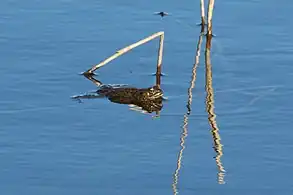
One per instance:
(51,144)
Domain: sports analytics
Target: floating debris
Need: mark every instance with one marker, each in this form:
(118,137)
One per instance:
(162,14)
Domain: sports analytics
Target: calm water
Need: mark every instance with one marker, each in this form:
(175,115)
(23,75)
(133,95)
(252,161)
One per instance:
(51,144)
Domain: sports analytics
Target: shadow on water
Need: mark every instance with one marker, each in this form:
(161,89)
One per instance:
(148,99)
(211,112)
(185,118)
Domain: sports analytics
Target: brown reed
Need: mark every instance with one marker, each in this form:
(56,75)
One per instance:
(203,21)
(210,16)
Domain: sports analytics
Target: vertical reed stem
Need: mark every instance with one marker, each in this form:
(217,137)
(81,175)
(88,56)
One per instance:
(203,22)
(210,16)
(159,62)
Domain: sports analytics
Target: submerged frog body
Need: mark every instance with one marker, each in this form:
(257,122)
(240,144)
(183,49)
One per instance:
(150,99)
(131,94)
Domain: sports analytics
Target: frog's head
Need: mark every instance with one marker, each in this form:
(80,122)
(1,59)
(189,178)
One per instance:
(154,92)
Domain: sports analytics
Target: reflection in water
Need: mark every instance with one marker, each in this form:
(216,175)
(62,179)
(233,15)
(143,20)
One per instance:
(179,159)
(149,99)
(211,114)
(185,118)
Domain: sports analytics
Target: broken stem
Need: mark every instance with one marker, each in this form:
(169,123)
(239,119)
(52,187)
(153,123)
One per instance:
(123,51)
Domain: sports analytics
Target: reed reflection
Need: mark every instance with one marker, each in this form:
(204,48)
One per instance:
(218,147)
(184,132)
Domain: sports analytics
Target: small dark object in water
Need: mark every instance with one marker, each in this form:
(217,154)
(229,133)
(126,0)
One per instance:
(162,14)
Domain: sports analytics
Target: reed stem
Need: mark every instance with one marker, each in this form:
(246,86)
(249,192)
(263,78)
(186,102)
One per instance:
(210,16)
(203,22)
(159,61)
(127,49)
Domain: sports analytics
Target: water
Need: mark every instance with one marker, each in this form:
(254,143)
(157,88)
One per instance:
(51,144)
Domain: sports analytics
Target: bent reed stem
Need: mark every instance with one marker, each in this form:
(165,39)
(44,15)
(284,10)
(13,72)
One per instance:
(128,48)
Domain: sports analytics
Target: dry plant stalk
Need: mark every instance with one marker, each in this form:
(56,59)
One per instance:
(130,47)
(210,16)
(203,22)
(159,62)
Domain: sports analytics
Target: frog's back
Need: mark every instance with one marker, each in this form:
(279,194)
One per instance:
(131,95)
